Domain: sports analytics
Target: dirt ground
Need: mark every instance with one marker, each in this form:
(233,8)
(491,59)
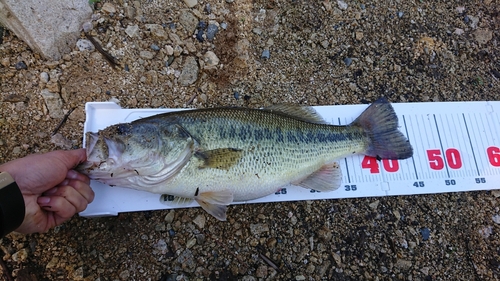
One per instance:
(264,52)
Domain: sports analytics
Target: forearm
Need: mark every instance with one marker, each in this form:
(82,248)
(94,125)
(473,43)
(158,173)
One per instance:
(12,208)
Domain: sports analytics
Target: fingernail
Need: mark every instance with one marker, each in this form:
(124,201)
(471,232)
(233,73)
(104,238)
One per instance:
(52,190)
(43,200)
(64,182)
(72,174)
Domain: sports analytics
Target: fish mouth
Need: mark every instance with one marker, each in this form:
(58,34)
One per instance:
(90,143)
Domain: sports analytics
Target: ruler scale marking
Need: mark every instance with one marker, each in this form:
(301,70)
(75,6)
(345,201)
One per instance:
(471,146)
(441,144)
(412,158)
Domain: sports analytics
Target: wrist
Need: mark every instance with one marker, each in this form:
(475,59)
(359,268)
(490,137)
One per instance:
(12,208)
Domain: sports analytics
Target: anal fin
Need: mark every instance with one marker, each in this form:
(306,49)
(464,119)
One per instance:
(327,178)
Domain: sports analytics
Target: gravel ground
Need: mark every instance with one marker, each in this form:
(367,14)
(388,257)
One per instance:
(195,53)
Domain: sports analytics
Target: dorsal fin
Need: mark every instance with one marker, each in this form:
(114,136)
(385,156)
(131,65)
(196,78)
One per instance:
(301,112)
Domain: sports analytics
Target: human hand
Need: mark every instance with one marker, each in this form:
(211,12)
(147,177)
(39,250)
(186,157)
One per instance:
(52,191)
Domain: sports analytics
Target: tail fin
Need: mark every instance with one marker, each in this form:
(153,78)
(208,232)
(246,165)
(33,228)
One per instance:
(381,124)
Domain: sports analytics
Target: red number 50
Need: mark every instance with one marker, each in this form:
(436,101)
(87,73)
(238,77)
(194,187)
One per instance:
(436,161)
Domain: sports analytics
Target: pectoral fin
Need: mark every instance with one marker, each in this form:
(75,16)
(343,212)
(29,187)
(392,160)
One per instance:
(327,178)
(215,203)
(220,158)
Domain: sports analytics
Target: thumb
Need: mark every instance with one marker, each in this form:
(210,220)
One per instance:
(71,158)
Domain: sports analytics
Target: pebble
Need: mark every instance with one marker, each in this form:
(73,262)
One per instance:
(210,59)
(21,255)
(342,5)
(157,31)
(200,221)
(54,103)
(496,219)
(348,61)
(374,204)
(400,14)
(44,77)
(5,62)
(87,26)
(52,263)
(84,45)
(60,141)
(486,231)
(426,233)
(212,31)
(472,20)
(403,264)
(154,47)
(266,54)
(132,30)
(189,73)
(108,8)
(191,3)
(261,271)
(170,50)
(186,259)
(300,277)
(191,242)
(496,193)
(223,25)
(188,21)
(483,36)
(147,55)
(21,65)
(258,228)
(124,275)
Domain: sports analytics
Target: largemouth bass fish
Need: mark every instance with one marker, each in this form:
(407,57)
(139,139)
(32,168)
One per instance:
(220,155)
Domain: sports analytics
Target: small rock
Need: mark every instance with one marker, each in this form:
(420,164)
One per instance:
(426,233)
(325,43)
(44,77)
(342,5)
(400,14)
(191,242)
(130,12)
(338,259)
(170,50)
(200,239)
(210,59)
(300,277)
(147,55)
(108,8)
(496,193)
(348,61)
(84,45)
(54,103)
(161,246)
(157,31)
(60,141)
(258,228)
(124,275)
(87,26)
(189,73)
(496,74)
(5,62)
(154,47)
(200,221)
(188,21)
(20,255)
(223,25)
(169,218)
(359,35)
(472,20)
(191,3)
(132,30)
(52,263)
(458,31)
(21,65)
(403,264)
(483,36)
(212,31)
(78,273)
(496,219)
(486,231)
(266,54)
(186,259)
(325,234)
(374,205)
(261,271)
(17,150)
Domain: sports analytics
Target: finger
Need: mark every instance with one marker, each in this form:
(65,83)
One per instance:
(70,158)
(74,197)
(81,187)
(59,205)
(74,175)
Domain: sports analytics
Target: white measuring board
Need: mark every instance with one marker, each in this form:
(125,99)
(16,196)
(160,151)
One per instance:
(456,148)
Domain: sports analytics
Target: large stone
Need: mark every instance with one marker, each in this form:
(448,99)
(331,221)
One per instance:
(50,27)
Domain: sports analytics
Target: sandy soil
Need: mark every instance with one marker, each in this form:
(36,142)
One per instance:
(264,52)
